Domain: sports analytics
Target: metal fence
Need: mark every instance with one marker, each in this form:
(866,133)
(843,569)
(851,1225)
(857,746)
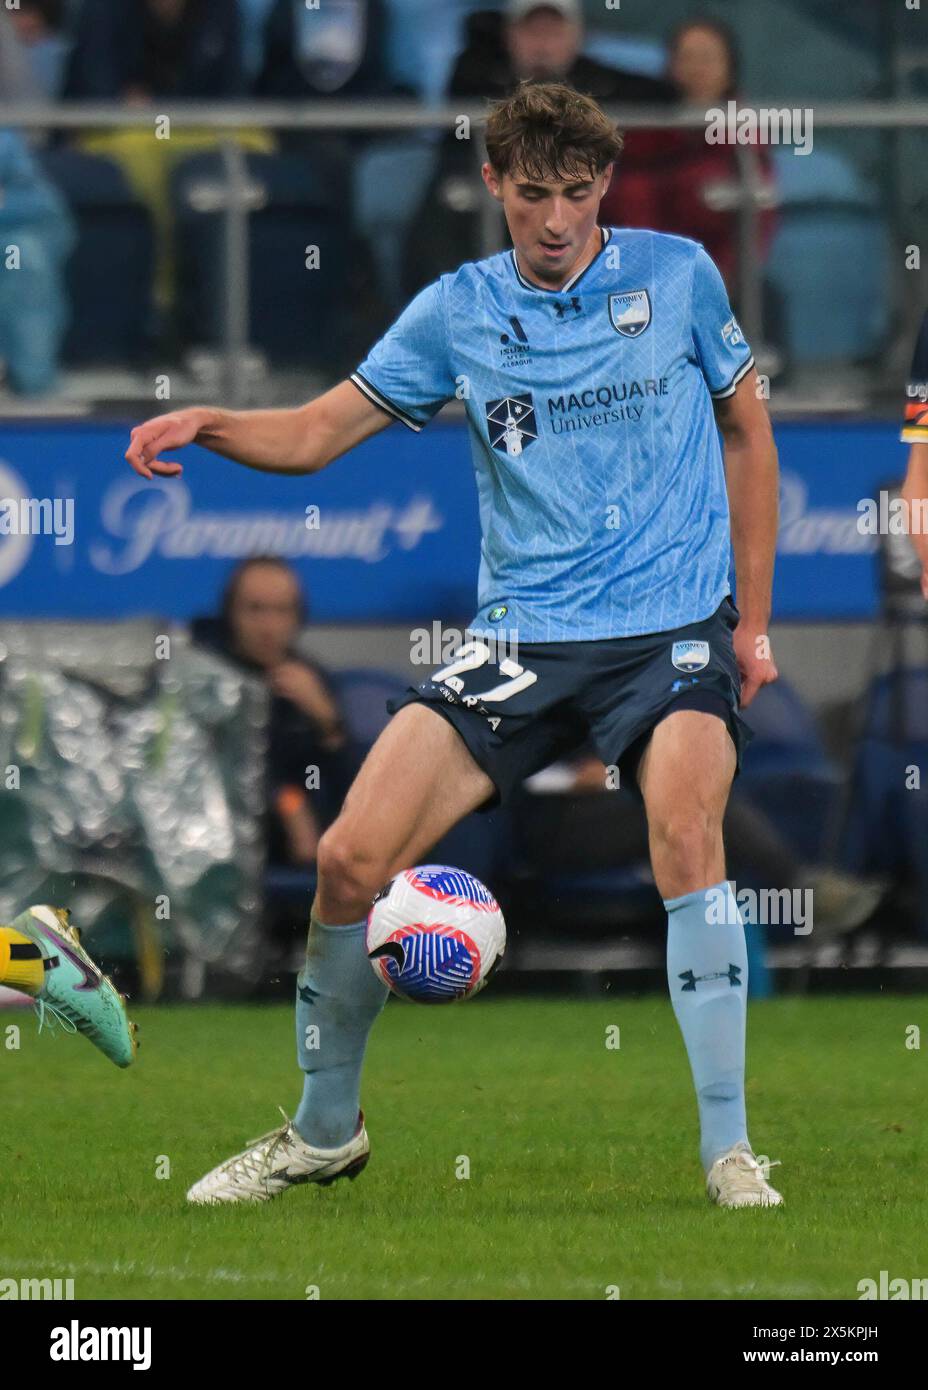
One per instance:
(235,199)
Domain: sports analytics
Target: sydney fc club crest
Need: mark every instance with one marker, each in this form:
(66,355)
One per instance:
(690,656)
(511,422)
(630,313)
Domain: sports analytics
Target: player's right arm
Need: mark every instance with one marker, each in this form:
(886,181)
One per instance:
(302,440)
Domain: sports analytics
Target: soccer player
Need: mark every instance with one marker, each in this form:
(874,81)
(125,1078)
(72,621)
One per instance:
(595,365)
(41,955)
(915,432)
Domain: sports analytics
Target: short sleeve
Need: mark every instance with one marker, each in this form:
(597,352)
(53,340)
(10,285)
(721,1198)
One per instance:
(408,373)
(723,354)
(915,419)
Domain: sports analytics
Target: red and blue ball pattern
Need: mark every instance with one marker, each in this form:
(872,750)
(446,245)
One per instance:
(440,963)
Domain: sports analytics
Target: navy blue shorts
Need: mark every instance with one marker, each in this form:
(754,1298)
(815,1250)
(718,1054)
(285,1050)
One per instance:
(557,695)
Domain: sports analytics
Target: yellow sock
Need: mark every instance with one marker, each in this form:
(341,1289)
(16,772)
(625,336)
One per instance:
(20,962)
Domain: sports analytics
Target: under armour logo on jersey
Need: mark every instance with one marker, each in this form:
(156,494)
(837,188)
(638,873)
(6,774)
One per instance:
(732,975)
(512,424)
(562,307)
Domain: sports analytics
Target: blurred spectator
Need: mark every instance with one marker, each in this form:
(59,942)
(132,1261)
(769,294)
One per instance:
(17,79)
(263,610)
(336,49)
(141,50)
(679,183)
(542,39)
(537,39)
(37,235)
(41,28)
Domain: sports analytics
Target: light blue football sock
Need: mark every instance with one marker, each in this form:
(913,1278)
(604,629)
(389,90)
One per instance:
(338,996)
(707,970)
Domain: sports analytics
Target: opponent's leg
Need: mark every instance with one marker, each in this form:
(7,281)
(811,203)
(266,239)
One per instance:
(418,780)
(685,776)
(41,954)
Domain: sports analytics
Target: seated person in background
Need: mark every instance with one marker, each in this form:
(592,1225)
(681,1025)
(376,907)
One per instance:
(530,39)
(336,49)
(40,28)
(142,50)
(263,609)
(685,180)
(616,833)
(35,221)
(18,81)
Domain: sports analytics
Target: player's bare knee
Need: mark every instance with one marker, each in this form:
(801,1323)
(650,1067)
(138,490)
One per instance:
(348,873)
(688,843)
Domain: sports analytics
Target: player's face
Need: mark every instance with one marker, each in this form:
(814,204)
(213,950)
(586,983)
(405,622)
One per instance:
(265,614)
(553,225)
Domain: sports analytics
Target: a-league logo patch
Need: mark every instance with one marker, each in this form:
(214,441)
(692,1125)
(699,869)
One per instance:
(512,424)
(690,656)
(630,313)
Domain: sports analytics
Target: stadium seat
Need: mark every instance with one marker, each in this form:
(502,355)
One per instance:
(297,314)
(110,273)
(381,217)
(829,219)
(787,770)
(887,825)
(364,694)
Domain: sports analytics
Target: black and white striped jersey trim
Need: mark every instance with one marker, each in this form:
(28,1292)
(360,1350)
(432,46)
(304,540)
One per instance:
(541,289)
(729,390)
(379,399)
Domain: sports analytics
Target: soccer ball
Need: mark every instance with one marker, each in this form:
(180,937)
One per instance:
(434,934)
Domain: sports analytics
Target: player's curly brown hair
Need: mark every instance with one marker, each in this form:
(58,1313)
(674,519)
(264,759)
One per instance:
(548,131)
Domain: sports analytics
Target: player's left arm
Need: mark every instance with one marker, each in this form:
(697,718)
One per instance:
(915,492)
(752,478)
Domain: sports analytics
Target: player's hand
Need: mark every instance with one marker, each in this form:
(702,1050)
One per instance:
(303,687)
(173,431)
(755,660)
(925,583)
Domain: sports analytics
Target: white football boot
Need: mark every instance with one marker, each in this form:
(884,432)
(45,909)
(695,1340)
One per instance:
(736,1179)
(277,1161)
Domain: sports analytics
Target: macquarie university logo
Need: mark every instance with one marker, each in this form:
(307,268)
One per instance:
(511,423)
(630,313)
(690,656)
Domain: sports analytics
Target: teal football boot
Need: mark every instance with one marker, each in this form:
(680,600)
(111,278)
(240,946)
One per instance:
(75,993)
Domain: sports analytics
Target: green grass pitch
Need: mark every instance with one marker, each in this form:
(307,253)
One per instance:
(584,1175)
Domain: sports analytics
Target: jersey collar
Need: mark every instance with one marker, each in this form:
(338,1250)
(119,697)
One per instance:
(540,289)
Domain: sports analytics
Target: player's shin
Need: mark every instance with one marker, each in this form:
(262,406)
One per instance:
(707,971)
(338,997)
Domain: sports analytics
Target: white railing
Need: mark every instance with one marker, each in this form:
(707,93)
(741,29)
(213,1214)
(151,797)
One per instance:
(380,117)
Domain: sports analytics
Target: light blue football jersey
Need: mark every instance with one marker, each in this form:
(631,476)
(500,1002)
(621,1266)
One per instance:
(601,486)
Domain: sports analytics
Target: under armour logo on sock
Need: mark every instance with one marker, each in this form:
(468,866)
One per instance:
(732,975)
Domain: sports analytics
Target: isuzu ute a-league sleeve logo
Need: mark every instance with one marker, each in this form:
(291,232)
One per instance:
(511,423)
(630,313)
